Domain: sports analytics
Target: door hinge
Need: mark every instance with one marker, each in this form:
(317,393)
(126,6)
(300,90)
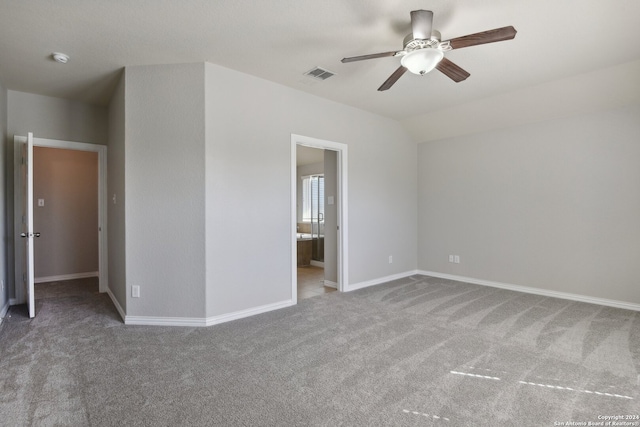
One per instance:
(24,277)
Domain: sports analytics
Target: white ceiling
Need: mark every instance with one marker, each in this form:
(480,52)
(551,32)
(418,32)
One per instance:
(280,40)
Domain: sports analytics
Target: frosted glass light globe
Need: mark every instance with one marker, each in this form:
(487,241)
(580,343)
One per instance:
(422,61)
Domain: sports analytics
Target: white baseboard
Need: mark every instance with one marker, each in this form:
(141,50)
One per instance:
(214,320)
(330,284)
(14,301)
(117,304)
(317,264)
(164,321)
(536,291)
(355,286)
(209,321)
(66,277)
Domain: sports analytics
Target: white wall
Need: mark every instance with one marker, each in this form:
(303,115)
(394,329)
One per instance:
(552,205)
(164,186)
(249,124)
(115,187)
(4,293)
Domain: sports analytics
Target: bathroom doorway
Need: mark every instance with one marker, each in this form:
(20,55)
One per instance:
(310,222)
(318,195)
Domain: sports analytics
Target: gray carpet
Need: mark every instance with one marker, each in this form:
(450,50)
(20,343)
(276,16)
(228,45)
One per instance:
(414,352)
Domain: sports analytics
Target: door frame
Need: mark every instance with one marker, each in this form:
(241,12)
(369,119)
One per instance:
(342,211)
(103,278)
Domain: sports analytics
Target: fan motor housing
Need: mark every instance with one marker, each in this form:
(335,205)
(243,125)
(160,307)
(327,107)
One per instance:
(409,43)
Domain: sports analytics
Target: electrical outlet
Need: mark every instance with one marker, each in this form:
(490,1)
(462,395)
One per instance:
(390,259)
(135,291)
(450,258)
(2,285)
(456,259)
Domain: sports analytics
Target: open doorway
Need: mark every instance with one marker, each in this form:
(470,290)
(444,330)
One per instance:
(318,216)
(312,208)
(50,265)
(65,214)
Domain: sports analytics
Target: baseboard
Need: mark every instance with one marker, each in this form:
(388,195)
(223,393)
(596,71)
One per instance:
(536,291)
(66,277)
(330,284)
(117,304)
(355,286)
(209,321)
(317,264)
(164,321)
(14,301)
(214,320)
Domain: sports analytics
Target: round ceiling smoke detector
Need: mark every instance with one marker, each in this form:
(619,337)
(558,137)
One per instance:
(60,57)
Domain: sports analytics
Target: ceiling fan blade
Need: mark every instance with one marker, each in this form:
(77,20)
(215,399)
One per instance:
(372,56)
(452,71)
(421,21)
(490,36)
(393,78)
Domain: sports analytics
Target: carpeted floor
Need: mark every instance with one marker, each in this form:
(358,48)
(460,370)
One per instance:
(414,352)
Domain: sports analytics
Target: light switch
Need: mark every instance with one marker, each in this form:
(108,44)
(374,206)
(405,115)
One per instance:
(330,200)
(40,202)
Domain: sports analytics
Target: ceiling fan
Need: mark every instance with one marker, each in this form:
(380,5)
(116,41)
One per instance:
(423,49)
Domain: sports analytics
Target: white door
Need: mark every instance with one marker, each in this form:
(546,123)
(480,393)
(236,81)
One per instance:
(23,211)
(28,234)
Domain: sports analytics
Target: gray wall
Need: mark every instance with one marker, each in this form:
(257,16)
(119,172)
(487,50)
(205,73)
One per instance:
(50,118)
(164,190)
(4,292)
(67,182)
(553,205)
(249,123)
(115,188)
(56,118)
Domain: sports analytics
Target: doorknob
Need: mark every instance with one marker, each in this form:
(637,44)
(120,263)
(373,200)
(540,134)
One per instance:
(36,234)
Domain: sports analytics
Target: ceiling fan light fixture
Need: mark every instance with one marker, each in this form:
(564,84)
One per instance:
(423,49)
(422,61)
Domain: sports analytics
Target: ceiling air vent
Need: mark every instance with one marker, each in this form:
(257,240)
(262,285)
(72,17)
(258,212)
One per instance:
(319,73)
